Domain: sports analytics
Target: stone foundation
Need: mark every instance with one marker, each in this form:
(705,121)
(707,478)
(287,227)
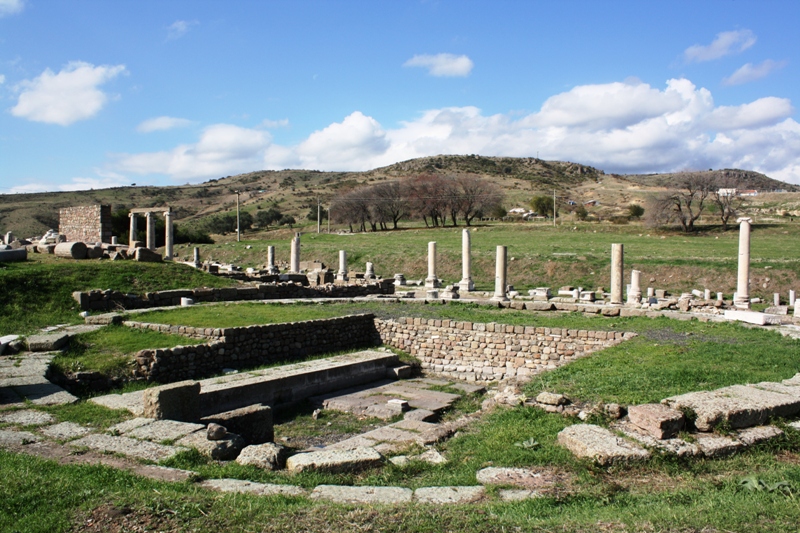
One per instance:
(486,352)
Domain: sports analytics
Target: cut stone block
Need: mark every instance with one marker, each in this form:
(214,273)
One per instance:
(758,434)
(27,417)
(161,430)
(140,449)
(657,419)
(423,415)
(10,437)
(367,495)
(399,372)
(551,398)
(131,401)
(47,342)
(226,449)
(673,446)
(335,460)
(414,425)
(176,401)
(249,487)
(269,456)
(446,495)
(740,405)
(517,477)
(146,256)
(253,423)
(600,445)
(717,445)
(129,425)
(65,431)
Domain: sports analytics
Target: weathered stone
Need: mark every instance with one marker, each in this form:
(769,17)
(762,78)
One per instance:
(757,434)
(176,401)
(147,256)
(249,487)
(269,456)
(431,456)
(422,415)
(335,460)
(13,256)
(215,432)
(65,431)
(448,495)
(600,445)
(129,425)
(70,250)
(362,494)
(657,419)
(47,342)
(253,423)
(614,410)
(517,477)
(226,449)
(163,430)
(27,417)
(551,398)
(18,438)
(141,449)
(674,446)
(717,445)
(516,495)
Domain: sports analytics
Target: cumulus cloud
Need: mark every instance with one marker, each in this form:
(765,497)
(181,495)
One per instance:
(749,72)
(179,28)
(11,7)
(162,124)
(222,149)
(442,65)
(282,123)
(66,97)
(726,43)
(618,127)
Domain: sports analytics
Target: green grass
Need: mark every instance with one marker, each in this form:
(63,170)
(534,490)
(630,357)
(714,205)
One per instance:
(110,350)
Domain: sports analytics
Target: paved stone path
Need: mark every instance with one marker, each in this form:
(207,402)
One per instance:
(22,377)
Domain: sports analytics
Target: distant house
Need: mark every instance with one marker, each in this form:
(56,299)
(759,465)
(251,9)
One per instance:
(748,192)
(518,211)
(726,192)
(591,203)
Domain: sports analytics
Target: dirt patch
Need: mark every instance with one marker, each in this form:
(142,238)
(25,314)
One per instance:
(113,519)
(669,336)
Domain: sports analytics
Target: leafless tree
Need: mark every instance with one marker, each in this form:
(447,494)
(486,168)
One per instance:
(725,197)
(684,203)
(390,203)
(476,196)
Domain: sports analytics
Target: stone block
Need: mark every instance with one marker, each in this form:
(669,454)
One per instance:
(600,445)
(335,460)
(249,487)
(449,495)
(70,250)
(269,456)
(176,401)
(657,419)
(757,434)
(12,256)
(47,342)
(146,256)
(253,423)
(551,398)
(365,495)
(421,415)
(225,449)
(539,306)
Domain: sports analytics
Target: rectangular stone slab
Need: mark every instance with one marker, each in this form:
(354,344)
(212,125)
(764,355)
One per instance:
(126,446)
(368,495)
(334,460)
(600,445)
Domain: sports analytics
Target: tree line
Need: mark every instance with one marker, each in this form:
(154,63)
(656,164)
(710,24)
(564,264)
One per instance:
(436,199)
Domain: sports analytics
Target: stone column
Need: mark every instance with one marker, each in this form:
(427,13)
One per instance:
(196,258)
(742,299)
(466,283)
(707,294)
(776,298)
(169,241)
(792,297)
(616,274)
(271,268)
(719,296)
(342,274)
(114,240)
(500,271)
(635,292)
(133,228)
(651,292)
(432,282)
(151,231)
(295,258)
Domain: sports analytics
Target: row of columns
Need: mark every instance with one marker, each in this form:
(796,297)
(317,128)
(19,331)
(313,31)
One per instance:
(169,237)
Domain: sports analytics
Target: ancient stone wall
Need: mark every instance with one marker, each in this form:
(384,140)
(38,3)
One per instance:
(252,346)
(108,300)
(485,352)
(88,223)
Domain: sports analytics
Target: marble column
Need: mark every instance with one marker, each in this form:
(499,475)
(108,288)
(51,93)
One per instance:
(133,229)
(500,274)
(792,297)
(114,240)
(742,299)
(271,268)
(776,298)
(466,283)
(370,272)
(196,258)
(707,294)
(169,236)
(616,273)
(295,258)
(719,296)
(342,274)
(151,230)
(432,282)
(635,292)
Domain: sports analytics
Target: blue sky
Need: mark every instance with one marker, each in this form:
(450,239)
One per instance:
(98,93)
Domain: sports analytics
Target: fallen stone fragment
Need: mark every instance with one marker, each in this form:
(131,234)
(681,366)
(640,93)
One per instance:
(445,495)
(600,445)
(334,460)
(657,419)
(215,432)
(48,342)
(757,434)
(268,456)
(253,423)
(65,431)
(431,456)
(249,487)
(551,398)
(226,449)
(367,495)
(673,446)
(27,417)
(717,445)
(400,460)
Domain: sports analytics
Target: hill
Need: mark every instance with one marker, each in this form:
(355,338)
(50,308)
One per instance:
(295,192)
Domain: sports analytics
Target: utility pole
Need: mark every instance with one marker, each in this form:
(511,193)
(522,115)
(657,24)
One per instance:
(554,208)
(238,225)
(329,220)
(319,215)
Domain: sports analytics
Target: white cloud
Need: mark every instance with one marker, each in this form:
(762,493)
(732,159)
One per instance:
(726,43)
(162,124)
(749,72)
(282,123)
(77,184)
(66,97)
(223,149)
(618,127)
(2,79)
(11,7)
(179,28)
(443,65)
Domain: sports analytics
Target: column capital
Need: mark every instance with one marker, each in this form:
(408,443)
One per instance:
(744,219)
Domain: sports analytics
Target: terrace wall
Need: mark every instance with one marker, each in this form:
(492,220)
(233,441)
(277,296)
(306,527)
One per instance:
(251,346)
(487,352)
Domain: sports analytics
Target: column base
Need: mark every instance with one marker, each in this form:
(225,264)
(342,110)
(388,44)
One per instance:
(498,298)
(432,283)
(466,285)
(742,303)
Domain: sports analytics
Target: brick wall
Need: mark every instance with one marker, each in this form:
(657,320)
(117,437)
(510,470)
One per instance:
(485,352)
(88,223)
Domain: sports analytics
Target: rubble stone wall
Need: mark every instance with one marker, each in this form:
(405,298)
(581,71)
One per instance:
(485,352)
(108,300)
(87,223)
(251,346)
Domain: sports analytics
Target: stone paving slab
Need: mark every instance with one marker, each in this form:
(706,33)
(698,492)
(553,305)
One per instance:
(12,437)
(47,342)
(390,434)
(527,478)
(757,434)
(46,394)
(249,487)
(131,401)
(359,441)
(600,445)
(9,398)
(517,495)
(129,425)
(27,417)
(334,460)
(717,445)
(673,446)
(140,449)
(414,425)
(792,381)
(791,390)
(445,495)
(65,431)
(161,430)
(423,415)
(368,495)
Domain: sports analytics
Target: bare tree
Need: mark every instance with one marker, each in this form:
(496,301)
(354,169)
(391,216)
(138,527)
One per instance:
(684,203)
(390,203)
(728,202)
(476,196)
